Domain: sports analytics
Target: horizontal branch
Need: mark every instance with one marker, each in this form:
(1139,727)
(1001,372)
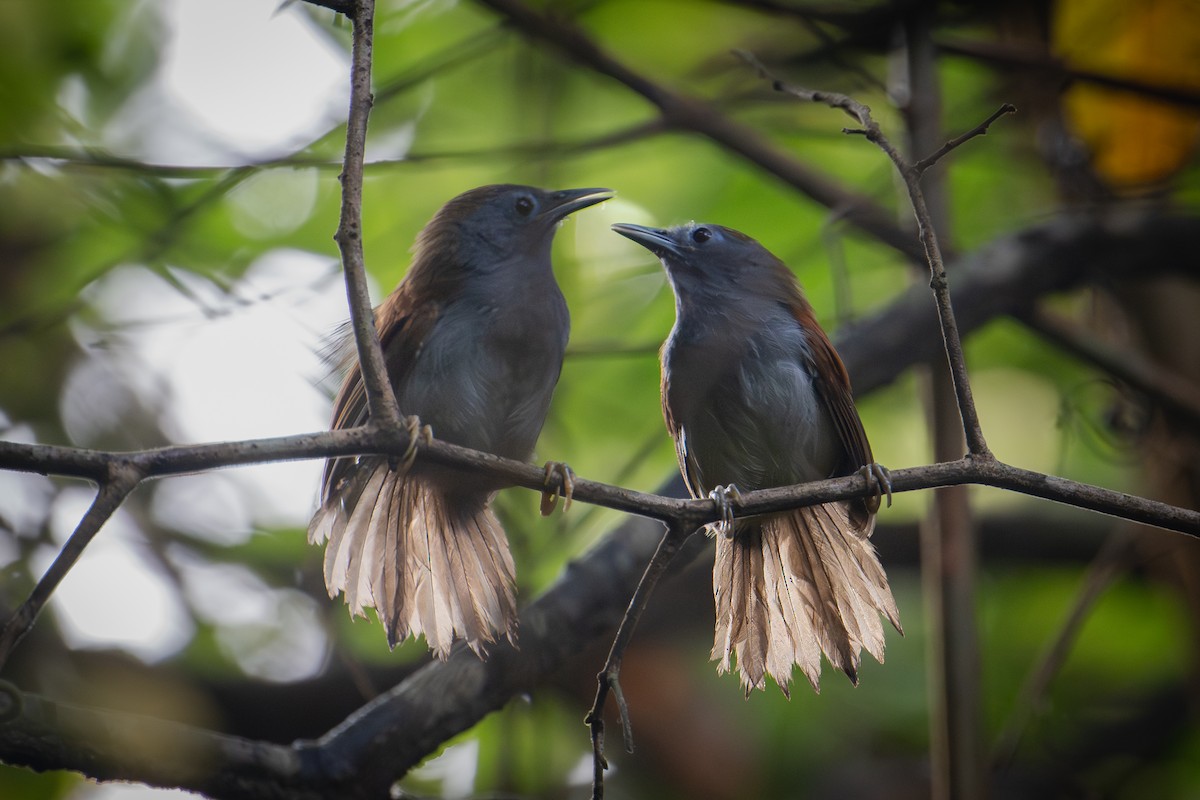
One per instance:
(366,440)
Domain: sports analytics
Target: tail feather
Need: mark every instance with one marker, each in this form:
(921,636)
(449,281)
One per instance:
(367,519)
(724,590)
(792,640)
(813,559)
(427,563)
(861,606)
(485,560)
(799,585)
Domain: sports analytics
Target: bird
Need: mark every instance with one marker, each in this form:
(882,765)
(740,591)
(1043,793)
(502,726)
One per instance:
(473,339)
(755,396)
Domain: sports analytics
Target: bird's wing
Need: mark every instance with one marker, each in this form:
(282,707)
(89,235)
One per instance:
(832,383)
(404,326)
(675,427)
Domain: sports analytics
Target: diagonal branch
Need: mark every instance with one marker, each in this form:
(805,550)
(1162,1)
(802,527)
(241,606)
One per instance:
(608,679)
(123,478)
(979,130)
(952,340)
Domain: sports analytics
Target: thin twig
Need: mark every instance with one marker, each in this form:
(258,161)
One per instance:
(123,479)
(381,400)
(1108,565)
(979,130)
(976,444)
(609,678)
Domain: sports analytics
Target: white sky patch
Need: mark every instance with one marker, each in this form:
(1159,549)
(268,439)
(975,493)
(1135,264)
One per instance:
(257,76)
(113,596)
(126,791)
(455,768)
(273,634)
(233,366)
(238,80)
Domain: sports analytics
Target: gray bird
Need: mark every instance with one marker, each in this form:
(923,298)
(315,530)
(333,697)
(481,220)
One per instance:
(473,338)
(755,396)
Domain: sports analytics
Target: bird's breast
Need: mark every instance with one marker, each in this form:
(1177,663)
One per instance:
(749,408)
(486,374)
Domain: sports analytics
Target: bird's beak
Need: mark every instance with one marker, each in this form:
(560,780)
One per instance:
(656,240)
(568,201)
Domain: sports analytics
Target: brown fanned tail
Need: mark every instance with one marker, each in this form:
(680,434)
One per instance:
(791,587)
(427,564)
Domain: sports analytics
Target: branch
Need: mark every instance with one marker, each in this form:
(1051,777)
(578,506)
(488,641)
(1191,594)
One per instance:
(385,738)
(1009,275)
(122,479)
(346,7)
(979,130)
(381,400)
(1037,59)
(976,444)
(608,678)
(948,534)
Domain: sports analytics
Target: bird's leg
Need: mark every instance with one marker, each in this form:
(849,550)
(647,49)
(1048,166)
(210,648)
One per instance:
(725,498)
(879,480)
(418,434)
(560,481)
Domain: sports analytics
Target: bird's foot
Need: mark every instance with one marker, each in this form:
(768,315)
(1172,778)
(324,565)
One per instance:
(418,435)
(879,482)
(725,498)
(559,482)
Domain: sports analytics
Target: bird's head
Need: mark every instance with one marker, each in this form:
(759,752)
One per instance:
(711,261)
(490,226)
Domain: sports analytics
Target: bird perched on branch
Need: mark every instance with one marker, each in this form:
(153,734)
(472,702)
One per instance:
(755,396)
(473,339)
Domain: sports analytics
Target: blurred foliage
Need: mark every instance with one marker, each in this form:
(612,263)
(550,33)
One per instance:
(110,256)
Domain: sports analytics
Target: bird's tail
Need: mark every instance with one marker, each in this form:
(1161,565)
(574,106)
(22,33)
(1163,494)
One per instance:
(792,586)
(427,562)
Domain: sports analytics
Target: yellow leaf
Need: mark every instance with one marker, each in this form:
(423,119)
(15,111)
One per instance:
(1134,140)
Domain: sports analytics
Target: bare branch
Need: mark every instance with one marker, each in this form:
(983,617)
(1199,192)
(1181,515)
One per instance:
(976,444)
(123,478)
(979,130)
(381,400)
(609,678)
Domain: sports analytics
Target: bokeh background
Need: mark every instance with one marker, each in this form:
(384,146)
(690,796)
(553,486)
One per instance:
(168,195)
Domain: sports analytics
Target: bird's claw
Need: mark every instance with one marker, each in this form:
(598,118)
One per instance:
(559,481)
(418,434)
(725,498)
(879,482)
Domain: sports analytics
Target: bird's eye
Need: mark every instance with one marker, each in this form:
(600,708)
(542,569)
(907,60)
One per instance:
(524,206)
(701,235)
